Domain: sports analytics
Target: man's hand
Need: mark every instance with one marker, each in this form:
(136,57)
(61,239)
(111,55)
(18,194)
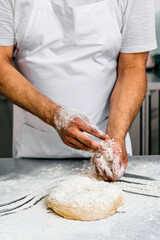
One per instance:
(120,165)
(72,126)
(125,102)
(21,92)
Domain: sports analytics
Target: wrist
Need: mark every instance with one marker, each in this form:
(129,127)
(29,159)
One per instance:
(48,110)
(115,134)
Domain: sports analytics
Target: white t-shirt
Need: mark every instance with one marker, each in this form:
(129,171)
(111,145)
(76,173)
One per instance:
(136,20)
(130,28)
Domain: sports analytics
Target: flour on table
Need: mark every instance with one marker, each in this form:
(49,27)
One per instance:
(83,198)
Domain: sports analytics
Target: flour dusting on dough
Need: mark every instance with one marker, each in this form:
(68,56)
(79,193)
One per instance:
(83,198)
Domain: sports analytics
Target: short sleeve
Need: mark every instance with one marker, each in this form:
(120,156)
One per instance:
(7,35)
(138,30)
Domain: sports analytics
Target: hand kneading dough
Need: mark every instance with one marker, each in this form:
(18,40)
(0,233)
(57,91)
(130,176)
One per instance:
(82,198)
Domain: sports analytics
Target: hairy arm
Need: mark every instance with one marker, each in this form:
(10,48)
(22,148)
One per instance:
(126,100)
(20,91)
(128,93)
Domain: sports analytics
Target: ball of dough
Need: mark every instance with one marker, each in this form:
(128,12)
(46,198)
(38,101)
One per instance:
(82,198)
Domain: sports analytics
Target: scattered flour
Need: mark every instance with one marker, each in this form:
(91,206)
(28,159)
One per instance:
(138,219)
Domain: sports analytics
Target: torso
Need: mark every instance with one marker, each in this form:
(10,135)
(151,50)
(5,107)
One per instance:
(68,50)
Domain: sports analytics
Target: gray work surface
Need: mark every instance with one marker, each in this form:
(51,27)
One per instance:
(25,183)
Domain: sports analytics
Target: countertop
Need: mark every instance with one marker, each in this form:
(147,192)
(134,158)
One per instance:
(25,183)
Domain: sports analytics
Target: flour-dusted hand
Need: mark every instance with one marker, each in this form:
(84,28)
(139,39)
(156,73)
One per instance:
(111,163)
(72,125)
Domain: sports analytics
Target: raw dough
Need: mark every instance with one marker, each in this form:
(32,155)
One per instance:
(82,198)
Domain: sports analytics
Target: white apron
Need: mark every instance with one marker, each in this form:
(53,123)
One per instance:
(69,53)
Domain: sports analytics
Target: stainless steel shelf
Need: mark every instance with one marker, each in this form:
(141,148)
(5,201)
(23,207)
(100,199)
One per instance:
(146,115)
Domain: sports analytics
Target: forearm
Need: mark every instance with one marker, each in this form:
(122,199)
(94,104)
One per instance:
(126,100)
(21,92)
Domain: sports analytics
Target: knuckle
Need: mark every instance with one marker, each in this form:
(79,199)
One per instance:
(93,131)
(88,142)
(78,122)
(70,131)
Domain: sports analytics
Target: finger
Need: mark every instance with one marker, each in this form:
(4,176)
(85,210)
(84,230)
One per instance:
(72,145)
(107,173)
(79,145)
(118,173)
(93,159)
(123,167)
(100,172)
(88,141)
(119,167)
(90,128)
(83,139)
(77,148)
(86,119)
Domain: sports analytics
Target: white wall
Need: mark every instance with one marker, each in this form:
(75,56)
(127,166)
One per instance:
(157,3)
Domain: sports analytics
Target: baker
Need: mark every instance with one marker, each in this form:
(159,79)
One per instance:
(78,64)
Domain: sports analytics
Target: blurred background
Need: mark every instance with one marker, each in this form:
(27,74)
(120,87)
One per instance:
(145,130)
